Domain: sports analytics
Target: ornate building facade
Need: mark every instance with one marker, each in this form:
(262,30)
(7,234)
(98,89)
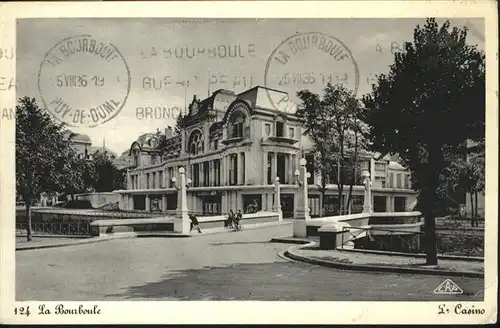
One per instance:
(233,147)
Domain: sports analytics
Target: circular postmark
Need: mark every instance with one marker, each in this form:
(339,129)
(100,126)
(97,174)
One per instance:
(308,61)
(84,81)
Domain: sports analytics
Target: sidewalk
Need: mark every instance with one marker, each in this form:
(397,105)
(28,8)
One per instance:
(349,260)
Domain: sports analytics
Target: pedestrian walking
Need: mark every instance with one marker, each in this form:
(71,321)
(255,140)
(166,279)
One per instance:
(237,220)
(194,223)
(230,219)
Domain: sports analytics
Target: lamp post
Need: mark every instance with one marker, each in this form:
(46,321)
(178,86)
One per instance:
(367,205)
(277,199)
(302,211)
(181,220)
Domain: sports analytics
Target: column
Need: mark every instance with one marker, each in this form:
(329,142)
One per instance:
(388,204)
(131,202)
(129,180)
(224,209)
(148,203)
(181,221)
(277,200)
(164,203)
(302,211)
(223,171)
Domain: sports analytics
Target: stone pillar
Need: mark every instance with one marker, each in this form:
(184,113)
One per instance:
(164,203)
(388,204)
(121,202)
(131,202)
(302,211)
(223,168)
(148,203)
(269,198)
(277,200)
(181,221)
(224,199)
(367,206)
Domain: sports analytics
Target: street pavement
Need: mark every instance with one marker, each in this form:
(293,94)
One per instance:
(228,266)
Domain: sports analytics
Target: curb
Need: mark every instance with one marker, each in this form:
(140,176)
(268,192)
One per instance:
(374,268)
(417,255)
(286,240)
(90,240)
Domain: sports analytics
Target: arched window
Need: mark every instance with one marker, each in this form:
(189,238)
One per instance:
(195,144)
(237,127)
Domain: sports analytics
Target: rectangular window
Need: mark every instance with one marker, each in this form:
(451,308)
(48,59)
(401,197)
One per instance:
(399,204)
(279,129)
(147,180)
(233,169)
(216,144)
(243,168)
(391,180)
(160,178)
(206,174)
(238,130)
(380,181)
(196,175)
(291,133)
(217,172)
(170,176)
(407,181)
(380,166)
(267,129)
(269,168)
(154,180)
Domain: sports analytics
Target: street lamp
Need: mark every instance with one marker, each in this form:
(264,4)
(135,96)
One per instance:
(302,163)
(182,171)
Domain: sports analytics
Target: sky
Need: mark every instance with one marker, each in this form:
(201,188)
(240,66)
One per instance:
(150,58)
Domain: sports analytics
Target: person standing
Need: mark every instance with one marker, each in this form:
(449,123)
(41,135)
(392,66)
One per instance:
(239,217)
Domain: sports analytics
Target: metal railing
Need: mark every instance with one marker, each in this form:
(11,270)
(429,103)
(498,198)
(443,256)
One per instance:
(72,228)
(384,241)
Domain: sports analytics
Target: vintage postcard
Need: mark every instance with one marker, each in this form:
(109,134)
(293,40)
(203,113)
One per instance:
(249,162)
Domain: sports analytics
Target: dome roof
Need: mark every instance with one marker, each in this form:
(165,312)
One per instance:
(395,166)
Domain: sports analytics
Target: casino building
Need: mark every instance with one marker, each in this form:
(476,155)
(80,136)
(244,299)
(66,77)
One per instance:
(233,146)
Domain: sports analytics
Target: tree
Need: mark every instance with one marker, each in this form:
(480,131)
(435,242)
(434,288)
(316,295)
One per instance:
(467,174)
(332,123)
(107,176)
(179,124)
(41,154)
(432,99)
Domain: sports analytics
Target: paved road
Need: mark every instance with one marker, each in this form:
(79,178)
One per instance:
(233,266)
